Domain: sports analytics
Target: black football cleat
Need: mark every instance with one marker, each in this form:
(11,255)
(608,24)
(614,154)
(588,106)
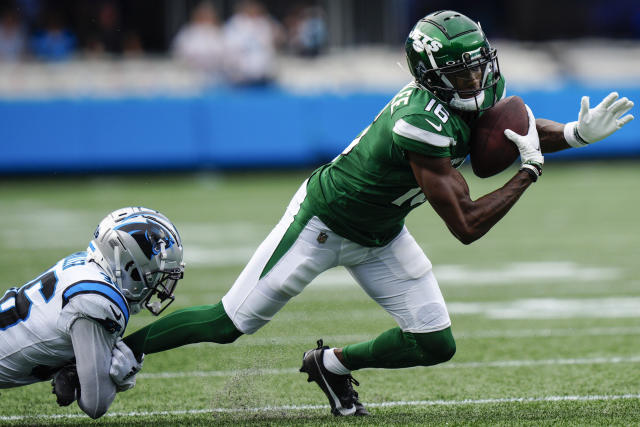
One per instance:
(338,388)
(361,411)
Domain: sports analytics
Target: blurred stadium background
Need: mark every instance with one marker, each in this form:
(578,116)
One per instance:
(100,85)
(105,104)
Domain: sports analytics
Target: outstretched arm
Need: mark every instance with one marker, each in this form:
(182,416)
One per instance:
(593,124)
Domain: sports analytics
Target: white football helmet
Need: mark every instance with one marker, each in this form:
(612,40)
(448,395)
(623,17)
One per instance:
(141,250)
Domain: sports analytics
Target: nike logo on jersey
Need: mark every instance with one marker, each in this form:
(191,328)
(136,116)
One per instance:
(117,315)
(109,325)
(438,127)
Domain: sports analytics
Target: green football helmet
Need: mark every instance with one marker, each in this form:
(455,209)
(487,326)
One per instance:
(449,54)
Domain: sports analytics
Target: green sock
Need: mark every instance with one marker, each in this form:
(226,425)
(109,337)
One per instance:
(397,349)
(205,323)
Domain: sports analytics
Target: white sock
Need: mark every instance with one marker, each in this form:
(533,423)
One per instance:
(333,364)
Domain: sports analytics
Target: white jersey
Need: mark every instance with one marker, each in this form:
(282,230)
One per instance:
(36,319)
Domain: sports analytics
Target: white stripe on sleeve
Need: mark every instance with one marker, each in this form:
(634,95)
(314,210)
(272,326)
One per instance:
(410,131)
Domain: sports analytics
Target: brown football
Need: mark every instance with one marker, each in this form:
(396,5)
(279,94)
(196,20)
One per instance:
(491,151)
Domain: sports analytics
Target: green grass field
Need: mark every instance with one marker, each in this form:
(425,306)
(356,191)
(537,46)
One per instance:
(545,308)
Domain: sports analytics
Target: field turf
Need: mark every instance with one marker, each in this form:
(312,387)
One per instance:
(545,308)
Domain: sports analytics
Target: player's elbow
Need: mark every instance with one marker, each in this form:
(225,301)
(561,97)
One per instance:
(464,234)
(97,414)
(468,228)
(467,239)
(96,404)
(96,411)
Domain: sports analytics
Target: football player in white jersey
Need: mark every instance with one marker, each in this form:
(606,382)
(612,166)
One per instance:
(79,308)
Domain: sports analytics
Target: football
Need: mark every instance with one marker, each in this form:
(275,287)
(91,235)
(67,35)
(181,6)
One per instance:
(491,151)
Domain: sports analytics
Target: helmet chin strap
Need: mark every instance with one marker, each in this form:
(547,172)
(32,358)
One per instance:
(467,104)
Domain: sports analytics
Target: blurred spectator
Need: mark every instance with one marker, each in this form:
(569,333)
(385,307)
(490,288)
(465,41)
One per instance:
(251,38)
(105,34)
(307,30)
(109,29)
(132,45)
(200,43)
(12,37)
(54,42)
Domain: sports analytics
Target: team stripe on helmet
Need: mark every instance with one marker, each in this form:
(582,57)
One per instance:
(99,288)
(410,131)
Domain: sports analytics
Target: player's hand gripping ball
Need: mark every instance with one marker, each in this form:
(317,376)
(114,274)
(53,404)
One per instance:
(491,151)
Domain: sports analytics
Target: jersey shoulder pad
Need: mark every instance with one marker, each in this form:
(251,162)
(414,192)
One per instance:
(411,99)
(96,300)
(425,133)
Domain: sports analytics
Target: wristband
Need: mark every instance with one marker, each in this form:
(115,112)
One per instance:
(533,171)
(572,136)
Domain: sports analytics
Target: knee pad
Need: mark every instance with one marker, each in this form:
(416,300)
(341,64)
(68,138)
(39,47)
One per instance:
(436,347)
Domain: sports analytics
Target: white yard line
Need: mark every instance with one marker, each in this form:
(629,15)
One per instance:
(551,308)
(451,365)
(559,332)
(588,398)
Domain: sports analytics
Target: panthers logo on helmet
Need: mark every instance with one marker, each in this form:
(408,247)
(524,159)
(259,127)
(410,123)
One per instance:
(148,236)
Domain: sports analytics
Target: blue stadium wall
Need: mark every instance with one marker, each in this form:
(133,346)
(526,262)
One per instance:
(224,129)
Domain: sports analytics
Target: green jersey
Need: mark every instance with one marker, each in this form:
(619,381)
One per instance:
(366,192)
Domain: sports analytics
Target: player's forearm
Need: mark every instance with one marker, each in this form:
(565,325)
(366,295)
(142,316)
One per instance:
(92,349)
(448,193)
(551,136)
(481,215)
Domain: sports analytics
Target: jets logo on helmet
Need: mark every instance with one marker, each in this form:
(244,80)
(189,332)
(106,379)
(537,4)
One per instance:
(141,250)
(449,55)
(422,41)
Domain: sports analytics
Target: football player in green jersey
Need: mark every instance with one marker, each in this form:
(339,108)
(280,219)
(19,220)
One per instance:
(351,212)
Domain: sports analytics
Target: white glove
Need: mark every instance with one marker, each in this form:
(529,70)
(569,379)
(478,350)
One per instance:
(124,366)
(598,123)
(529,146)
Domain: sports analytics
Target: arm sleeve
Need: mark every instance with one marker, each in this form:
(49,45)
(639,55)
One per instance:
(92,346)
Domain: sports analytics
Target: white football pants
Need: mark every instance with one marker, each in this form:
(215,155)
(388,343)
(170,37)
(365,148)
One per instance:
(397,276)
